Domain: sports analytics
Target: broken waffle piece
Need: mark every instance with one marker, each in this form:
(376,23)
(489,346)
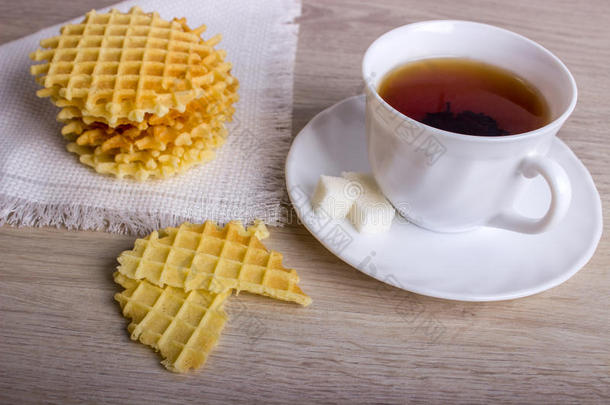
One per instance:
(215,259)
(182,326)
(176,307)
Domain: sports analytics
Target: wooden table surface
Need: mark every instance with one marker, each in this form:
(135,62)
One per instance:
(63,340)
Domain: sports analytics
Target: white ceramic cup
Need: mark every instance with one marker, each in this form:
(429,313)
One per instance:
(450,182)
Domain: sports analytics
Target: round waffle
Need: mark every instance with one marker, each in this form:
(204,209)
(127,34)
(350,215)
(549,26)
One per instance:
(167,146)
(141,97)
(199,121)
(149,163)
(117,66)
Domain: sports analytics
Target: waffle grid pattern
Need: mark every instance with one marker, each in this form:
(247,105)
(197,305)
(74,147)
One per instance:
(203,256)
(119,65)
(177,280)
(183,326)
(141,97)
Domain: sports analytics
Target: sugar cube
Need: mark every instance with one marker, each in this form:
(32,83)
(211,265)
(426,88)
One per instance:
(333,197)
(371,212)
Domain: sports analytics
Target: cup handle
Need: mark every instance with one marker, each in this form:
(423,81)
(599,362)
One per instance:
(561,196)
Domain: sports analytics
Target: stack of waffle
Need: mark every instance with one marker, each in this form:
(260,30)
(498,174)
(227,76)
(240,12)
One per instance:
(139,96)
(176,281)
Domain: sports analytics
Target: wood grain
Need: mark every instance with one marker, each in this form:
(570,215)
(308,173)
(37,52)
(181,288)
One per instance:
(62,339)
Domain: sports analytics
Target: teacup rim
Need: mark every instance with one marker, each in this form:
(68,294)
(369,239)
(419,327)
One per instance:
(479,138)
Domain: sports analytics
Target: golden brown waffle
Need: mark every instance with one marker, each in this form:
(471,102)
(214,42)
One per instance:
(199,121)
(118,66)
(145,164)
(157,138)
(167,146)
(182,326)
(206,257)
(208,106)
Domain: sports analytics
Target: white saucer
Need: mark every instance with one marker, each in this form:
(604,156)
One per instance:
(483,265)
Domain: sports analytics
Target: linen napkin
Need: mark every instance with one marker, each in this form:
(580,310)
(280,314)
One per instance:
(42,184)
